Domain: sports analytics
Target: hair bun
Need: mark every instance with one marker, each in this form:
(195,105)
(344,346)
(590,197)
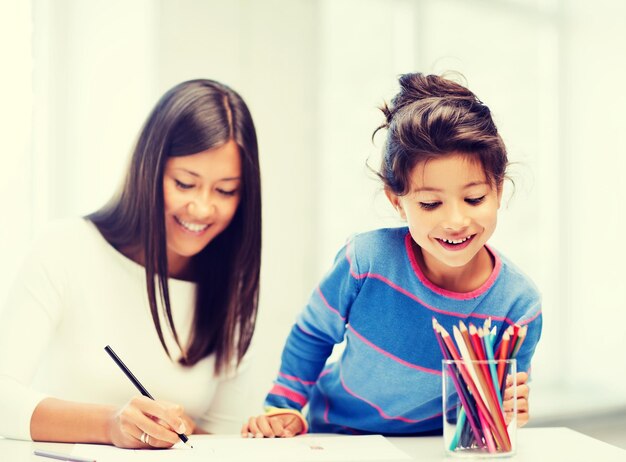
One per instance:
(417,86)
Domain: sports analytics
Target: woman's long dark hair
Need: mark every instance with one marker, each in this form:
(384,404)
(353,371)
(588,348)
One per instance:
(192,117)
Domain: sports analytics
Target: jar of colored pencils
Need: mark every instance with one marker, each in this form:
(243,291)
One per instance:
(475,423)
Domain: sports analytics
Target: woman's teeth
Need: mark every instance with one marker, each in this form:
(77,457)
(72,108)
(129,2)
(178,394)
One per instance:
(193,227)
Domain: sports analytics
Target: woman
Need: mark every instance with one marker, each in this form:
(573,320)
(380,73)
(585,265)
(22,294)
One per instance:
(167,273)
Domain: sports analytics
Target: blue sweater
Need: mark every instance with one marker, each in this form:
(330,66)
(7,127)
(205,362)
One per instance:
(388,378)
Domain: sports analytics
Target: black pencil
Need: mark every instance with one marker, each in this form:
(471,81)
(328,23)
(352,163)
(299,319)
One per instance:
(137,384)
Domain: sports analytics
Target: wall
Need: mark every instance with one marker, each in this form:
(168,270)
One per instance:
(314,74)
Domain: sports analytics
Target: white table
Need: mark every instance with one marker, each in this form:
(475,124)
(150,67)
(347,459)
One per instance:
(533,445)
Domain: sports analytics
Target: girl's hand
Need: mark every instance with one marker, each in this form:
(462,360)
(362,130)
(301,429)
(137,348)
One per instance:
(279,425)
(522,399)
(158,420)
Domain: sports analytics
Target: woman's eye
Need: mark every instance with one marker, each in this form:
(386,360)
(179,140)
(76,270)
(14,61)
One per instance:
(182,185)
(225,192)
(429,205)
(475,200)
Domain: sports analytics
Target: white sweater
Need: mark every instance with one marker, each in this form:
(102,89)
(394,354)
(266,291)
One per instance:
(75,295)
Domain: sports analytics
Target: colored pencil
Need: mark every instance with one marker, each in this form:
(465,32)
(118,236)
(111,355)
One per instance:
(492,366)
(479,381)
(471,409)
(492,414)
(502,354)
(463,395)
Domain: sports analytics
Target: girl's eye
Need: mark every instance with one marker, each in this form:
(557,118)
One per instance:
(227,193)
(429,205)
(182,185)
(475,201)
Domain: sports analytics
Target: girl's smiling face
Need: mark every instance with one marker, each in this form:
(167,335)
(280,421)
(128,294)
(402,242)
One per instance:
(201,195)
(451,210)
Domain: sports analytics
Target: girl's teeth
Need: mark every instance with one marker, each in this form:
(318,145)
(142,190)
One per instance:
(459,241)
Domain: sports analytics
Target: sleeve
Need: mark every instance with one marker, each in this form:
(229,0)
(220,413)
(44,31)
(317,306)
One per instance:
(320,326)
(28,319)
(230,406)
(533,319)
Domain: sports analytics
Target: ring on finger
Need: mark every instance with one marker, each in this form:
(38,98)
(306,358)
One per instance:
(144,438)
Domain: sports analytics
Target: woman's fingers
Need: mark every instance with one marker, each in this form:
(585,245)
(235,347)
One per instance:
(145,423)
(156,435)
(167,414)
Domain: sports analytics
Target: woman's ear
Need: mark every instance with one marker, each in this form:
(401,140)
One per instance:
(395,202)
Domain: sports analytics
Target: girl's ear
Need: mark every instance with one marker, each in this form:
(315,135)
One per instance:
(395,202)
(499,190)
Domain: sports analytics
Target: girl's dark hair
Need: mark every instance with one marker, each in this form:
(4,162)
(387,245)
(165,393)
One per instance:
(192,117)
(433,117)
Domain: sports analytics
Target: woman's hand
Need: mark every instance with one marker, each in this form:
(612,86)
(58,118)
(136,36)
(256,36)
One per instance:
(278,425)
(146,423)
(522,399)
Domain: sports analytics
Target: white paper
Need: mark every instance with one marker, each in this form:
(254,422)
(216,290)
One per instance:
(308,448)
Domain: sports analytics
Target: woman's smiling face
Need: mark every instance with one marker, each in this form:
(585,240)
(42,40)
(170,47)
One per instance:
(201,195)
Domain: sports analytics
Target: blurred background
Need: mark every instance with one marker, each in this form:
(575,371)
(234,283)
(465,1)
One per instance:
(79,78)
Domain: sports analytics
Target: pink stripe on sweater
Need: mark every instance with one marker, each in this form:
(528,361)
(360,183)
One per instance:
(324,372)
(334,310)
(382,413)
(304,331)
(417,299)
(280,390)
(529,320)
(408,244)
(326,408)
(296,379)
(392,357)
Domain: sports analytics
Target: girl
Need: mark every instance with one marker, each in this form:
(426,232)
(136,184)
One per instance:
(443,170)
(167,273)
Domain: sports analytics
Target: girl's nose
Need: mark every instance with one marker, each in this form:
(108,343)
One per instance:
(456,220)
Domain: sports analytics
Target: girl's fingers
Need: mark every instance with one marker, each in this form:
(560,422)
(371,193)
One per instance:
(253,429)
(282,425)
(277,427)
(522,392)
(520,378)
(293,425)
(522,405)
(522,419)
(263,423)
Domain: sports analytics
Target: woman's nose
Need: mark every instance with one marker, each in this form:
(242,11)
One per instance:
(202,207)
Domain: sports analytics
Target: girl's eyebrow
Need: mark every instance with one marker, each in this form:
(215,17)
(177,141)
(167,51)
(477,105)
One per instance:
(467,186)
(197,175)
